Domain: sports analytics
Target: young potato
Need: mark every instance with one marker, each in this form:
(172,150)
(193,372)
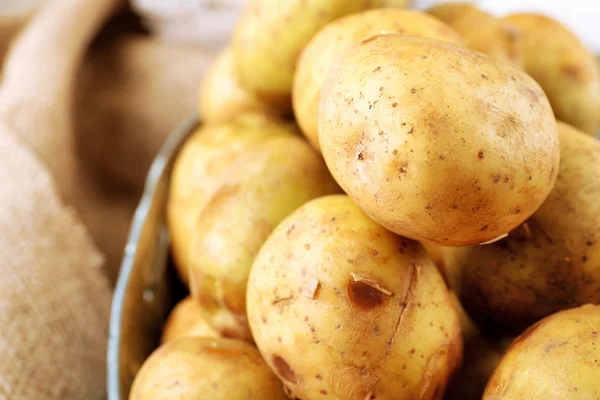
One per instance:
(270,35)
(557,358)
(437,142)
(551,262)
(262,187)
(343,308)
(221,98)
(331,42)
(199,169)
(566,70)
(201,368)
(186,320)
(482,31)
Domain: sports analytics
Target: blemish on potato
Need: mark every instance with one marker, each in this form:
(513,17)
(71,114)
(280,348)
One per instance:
(395,104)
(378,68)
(413,90)
(480,154)
(366,294)
(283,369)
(484,76)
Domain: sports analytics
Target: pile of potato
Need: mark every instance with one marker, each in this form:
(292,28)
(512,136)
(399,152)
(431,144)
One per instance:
(432,175)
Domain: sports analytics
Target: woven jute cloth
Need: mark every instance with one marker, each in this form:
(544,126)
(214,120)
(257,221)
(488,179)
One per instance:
(80,122)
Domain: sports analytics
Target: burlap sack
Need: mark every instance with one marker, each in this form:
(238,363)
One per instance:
(54,300)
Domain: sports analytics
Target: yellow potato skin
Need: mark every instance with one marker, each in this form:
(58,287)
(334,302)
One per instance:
(202,368)
(550,263)
(340,306)
(221,98)
(437,142)
(186,320)
(199,168)
(482,31)
(567,71)
(262,187)
(330,43)
(557,358)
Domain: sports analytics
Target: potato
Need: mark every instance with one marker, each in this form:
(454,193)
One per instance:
(341,307)
(270,34)
(221,98)
(557,358)
(262,187)
(482,32)
(437,142)
(567,71)
(202,368)
(551,262)
(198,171)
(331,42)
(186,320)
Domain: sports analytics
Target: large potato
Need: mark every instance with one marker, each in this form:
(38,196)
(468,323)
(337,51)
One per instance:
(550,263)
(437,142)
(557,358)
(201,368)
(566,70)
(199,170)
(221,98)
(482,32)
(331,42)
(341,307)
(262,187)
(270,35)
(186,320)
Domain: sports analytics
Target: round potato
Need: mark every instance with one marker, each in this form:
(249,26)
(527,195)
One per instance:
(331,42)
(566,70)
(557,358)
(262,187)
(437,142)
(482,31)
(202,368)
(551,262)
(270,35)
(186,320)
(343,308)
(198,171)
(221,98)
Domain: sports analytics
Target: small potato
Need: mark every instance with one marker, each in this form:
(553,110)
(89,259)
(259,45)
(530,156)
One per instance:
(221,98)
(551,262)
(261,188)
(566,70)
(557,358)
(330,43)
(270,35)
(186,320)
(202,368)
(343,308)
(437,142)
(199,169)
(482,31)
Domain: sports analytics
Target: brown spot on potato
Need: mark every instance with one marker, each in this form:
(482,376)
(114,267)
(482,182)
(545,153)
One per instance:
(484,76)
(377,69)
(360,156)
(395,104)
(480,154)
(484,228)
(366,294)
(323,392)
(307,246)
(572,71)
(283,369)
(496,178)
(413,90)
(319,377)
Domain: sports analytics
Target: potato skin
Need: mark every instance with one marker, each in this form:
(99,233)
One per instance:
(330,43)
(482,31)
(557,358)
(202,368)
(199,168)
(549,264)
(437,142)
(221,98)
(262,187)
(270,34)
(186,320)
(564,68)
(340,306)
